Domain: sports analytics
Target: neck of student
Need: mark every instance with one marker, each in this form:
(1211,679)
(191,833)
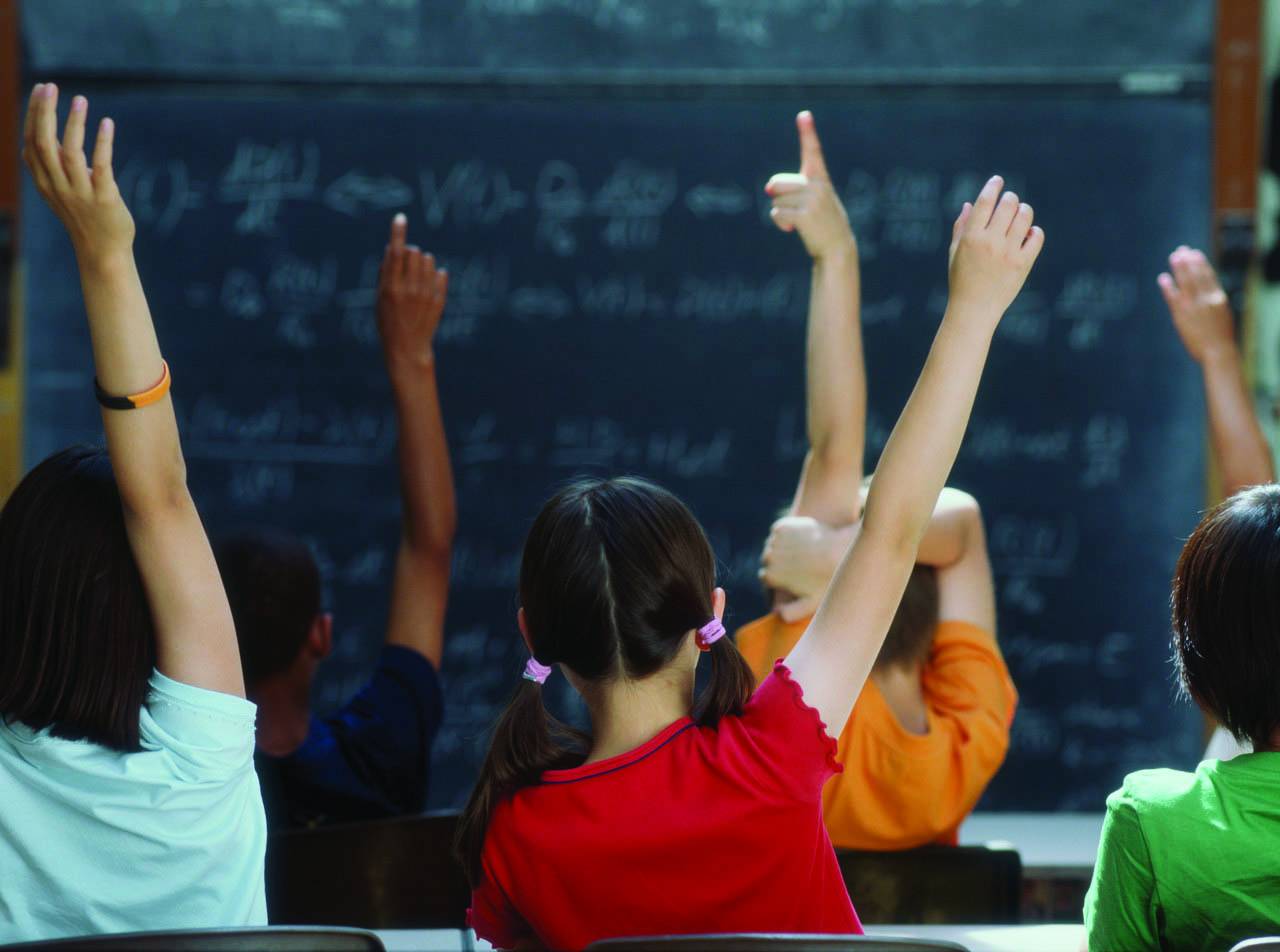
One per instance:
(627,713)
(284,714)
(903,692)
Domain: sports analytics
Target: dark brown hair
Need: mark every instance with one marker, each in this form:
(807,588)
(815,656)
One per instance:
(910,636)
(76,639)
(615,575)
(1226,614)
(273,586)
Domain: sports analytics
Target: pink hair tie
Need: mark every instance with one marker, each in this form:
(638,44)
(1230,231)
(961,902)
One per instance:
(535,672)
(710,633)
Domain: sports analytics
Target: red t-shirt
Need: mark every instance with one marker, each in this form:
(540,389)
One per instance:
(699,830)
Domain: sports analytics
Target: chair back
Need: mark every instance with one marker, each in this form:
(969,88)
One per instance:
(935,885)
(768,942)
(381,874)
(265,939)
(1266,943)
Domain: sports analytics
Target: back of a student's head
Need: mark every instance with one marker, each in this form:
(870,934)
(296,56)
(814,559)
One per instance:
(615,576)
(273,587)
(77,645)
(1226,615)
(910,637)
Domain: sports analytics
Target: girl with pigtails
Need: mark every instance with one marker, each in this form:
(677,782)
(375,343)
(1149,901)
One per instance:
(679,814)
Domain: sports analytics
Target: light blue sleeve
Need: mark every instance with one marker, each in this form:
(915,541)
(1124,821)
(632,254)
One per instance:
(207,735)
(1119,907)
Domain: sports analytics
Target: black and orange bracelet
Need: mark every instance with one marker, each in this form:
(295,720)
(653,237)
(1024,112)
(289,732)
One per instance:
(135,401)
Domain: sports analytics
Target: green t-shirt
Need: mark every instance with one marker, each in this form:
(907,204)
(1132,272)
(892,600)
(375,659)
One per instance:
(1189,860)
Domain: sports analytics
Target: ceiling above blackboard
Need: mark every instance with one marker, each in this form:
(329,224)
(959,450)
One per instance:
(1139,43)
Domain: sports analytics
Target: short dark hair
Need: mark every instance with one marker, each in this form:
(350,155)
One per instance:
(1226,614)
(77,644)
(273,586)
(910,636)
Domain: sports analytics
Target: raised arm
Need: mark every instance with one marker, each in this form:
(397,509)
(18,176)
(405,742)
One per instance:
(195,637)
(836,381)
(802,555)
(1203,319)
(994,246)
(411,298)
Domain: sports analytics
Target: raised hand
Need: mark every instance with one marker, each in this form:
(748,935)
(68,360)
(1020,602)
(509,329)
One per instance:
(806,202)
(1198,305)
(798,561)
(86,199)
(411,299)
(194,632)
(993,246)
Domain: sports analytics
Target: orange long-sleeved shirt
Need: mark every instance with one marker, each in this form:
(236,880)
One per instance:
(899,789)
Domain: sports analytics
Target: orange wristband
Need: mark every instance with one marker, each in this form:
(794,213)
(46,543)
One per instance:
(135,401)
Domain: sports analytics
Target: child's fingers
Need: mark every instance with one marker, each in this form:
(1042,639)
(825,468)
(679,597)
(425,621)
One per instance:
(1205,277)
(102,150)
(399,230)
(1180,263)
(427,273)
(795,201)
(784,218)
(1023,219)
(73,161)
(408,262)
(29,123)
(965,211)
(413,270)
(442,285)
(47,136)
(1169,288)
(391,264)
(812,164)
(785,183)
(1006,209)
(985,204)
(1034,243)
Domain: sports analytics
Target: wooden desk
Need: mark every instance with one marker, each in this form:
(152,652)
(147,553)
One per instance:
(978,938)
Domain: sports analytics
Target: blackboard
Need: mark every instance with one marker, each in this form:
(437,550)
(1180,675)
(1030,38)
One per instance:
(620,304)
(648,40)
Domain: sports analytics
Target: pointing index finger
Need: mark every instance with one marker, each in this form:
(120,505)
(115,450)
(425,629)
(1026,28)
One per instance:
(399,230)
(812,164)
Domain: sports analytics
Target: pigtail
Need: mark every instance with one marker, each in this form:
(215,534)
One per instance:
(526,741)
(730,687)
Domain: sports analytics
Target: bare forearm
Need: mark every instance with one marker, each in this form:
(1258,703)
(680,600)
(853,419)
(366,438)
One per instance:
(1240,449)
(836,392)
(912,472)
(426,478)
(145,451)
(918,457)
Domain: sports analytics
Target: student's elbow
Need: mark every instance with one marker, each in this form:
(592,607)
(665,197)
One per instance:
(432,548)
(159,494)
(896,537)
(963,504)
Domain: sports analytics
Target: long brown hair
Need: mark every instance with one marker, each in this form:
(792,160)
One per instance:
(615,575)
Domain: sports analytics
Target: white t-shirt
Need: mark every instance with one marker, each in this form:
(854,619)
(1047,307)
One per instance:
(173,836)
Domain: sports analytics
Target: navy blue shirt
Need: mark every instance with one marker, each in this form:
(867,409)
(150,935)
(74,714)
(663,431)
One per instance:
(368,761)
